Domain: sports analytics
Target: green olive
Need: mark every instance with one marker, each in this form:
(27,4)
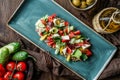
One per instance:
(57,22)
(89,2)
(83,5)
(76,2)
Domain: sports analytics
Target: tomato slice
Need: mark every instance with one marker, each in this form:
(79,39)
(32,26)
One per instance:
(50,18)
(53,15)
(50,39)
(21,66)
(53,45)
(47,28)
(71,35)
(79,44)
(50,43)
(69,51)
(66,23)
(88,52)
(63,40)
(77,32)
(60,32)
(41,34)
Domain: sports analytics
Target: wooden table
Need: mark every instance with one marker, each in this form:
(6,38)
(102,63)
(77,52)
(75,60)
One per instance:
(7,7)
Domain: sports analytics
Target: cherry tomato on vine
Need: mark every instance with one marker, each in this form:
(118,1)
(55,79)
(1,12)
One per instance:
(21,66)
(2,70)
(2,78)
(8,75)
(11,66)
(18,76)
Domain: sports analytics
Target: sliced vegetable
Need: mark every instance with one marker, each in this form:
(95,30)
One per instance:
(72,41)
(77,54)
(65,37)
(77,32)
(61,50)
(20,56)
(84,57)
(39,24)
(43,37)
(56,51)
(88,52)
(54,30)
(71,35)
(66,23)
(61,36)
(68,58)
(69,51)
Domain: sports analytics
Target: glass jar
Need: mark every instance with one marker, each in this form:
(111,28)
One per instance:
(107,21)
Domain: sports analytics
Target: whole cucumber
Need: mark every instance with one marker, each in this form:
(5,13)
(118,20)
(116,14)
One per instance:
(13,47)
(4,55)
(20,56)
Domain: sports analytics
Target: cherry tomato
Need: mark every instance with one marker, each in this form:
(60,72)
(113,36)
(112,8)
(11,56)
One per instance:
(11,66)
(8,75)
(18,76)
(1,78)
(2,70)
(21,66)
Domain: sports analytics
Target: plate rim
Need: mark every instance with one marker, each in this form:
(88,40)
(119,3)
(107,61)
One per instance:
(103,67)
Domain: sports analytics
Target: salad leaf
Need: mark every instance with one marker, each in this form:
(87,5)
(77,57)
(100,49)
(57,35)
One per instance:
(84,57)
(77,54)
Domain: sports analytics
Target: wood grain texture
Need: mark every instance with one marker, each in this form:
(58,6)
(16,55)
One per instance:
(7,7)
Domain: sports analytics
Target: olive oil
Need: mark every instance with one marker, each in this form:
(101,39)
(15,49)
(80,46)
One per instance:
(107,21)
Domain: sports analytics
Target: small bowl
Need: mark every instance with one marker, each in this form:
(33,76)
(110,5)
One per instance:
(84,9)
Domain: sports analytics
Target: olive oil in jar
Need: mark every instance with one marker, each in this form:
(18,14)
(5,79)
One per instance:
(107,21)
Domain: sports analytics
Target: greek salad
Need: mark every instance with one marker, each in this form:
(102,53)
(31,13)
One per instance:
(60,35)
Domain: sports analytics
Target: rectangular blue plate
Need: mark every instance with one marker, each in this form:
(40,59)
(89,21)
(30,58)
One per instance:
(23,22)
